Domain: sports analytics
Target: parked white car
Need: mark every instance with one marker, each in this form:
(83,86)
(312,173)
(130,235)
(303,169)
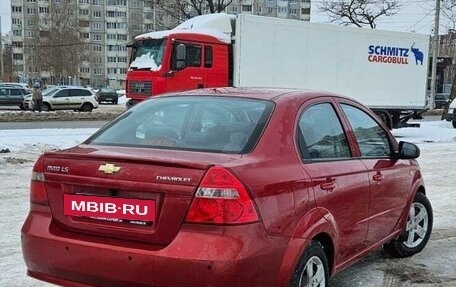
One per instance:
(451,116)
(67,98)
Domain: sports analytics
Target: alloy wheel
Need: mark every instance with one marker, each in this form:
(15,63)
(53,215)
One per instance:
(313,274)
(417,225)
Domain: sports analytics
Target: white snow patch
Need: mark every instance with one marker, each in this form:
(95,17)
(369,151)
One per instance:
(17,140)
(435,131)
(217,34)
(217,25)
(122,100)
(220,21)
(145,61)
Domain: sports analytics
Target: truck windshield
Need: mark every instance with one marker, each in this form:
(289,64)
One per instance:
(148,54)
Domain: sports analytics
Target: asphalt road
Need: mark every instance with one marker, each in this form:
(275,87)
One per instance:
(51,125)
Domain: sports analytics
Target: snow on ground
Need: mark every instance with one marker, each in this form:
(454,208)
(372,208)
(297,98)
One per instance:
(122,100)
(435,131)
(435,266)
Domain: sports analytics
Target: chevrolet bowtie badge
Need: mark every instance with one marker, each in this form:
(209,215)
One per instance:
(109,168)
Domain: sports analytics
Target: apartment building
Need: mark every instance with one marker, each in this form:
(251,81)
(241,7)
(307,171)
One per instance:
(85,41)
(289,9)
(87,37)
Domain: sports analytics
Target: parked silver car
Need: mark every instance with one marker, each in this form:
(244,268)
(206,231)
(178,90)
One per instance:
(67,98)
(11,95)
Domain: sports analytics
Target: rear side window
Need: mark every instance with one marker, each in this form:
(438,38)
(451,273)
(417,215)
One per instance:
(213,124)
(207,57)
(75,93)
(61,94)
(86,93)
(372,139)
(15,92)
(321,135)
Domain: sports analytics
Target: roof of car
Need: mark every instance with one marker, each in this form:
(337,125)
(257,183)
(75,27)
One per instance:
(254,93)
(11,87)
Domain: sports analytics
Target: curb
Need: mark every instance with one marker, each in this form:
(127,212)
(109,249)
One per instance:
(27,116)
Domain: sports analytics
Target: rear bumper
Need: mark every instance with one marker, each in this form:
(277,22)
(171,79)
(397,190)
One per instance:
(199,255)
(103,98)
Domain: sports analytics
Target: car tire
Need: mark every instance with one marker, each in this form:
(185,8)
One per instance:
(22,107)
(454,124)
(46,107)
(313,261)
(87,107)
(417,229)
(114,102)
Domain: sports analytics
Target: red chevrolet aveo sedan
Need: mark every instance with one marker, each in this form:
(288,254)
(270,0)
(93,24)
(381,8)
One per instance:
(225,187)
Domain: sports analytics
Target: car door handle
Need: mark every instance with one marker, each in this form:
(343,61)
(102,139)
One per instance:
(378,177)
(329,184)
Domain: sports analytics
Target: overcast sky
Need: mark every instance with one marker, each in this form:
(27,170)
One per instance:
(414,16)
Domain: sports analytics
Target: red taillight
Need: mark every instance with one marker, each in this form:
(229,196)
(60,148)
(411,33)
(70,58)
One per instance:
(37,187)
(221,198)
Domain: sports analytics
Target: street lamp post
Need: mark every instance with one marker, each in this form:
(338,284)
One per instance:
(435,49)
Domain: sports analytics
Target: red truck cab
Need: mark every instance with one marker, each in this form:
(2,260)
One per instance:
(177,60)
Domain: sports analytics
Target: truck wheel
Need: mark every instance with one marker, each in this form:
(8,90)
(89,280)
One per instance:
(312,269)
(87,107)
(417,229)
(454,124)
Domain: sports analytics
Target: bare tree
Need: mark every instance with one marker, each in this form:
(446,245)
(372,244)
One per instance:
(181,10)
(7,62)
(57,44)
(358,12)
(449,13)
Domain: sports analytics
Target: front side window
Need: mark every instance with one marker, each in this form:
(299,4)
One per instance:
(321,135)
(193,56)
(372,139)
(213,124)
(61,94)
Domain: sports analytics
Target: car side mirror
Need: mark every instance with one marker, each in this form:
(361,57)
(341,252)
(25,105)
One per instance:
(180,52)
(408,151)
(180,56)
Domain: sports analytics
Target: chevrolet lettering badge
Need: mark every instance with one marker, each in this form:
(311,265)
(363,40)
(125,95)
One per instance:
(109,168)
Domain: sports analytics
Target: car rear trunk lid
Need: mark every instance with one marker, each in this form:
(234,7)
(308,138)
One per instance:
(130,174)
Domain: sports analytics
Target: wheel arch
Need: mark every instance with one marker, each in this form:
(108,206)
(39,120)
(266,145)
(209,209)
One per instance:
(417,187)
(318,224)
(51,107)
(328,246)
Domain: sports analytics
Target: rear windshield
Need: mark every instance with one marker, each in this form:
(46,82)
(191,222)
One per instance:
(203,123)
